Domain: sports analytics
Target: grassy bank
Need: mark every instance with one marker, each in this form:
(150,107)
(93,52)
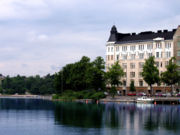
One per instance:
(72,95)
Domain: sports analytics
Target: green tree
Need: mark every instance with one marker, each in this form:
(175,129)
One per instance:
(114,74)
(113,91)
(97,74)
(132,88)
(150,73)
(171,76)
(76,76)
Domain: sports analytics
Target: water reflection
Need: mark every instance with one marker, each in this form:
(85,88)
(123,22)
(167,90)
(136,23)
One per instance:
(25,104)
(79,114)
(134,117)
(41,117)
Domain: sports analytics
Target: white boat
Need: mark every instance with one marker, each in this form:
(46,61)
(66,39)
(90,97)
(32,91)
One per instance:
(144,100)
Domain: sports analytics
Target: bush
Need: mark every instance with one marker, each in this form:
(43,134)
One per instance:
(98,95)
(55,96)
(86,94)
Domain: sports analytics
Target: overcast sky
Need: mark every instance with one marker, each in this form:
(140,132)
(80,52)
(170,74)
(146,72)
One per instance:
(41,36)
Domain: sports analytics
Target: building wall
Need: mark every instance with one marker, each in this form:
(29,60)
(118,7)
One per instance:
(116,52)
(176,41)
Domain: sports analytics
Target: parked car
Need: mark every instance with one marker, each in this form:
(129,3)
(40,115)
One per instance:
(178,94)
(141,94)
(106,93)
(166,94)
(158,94)
(131,94)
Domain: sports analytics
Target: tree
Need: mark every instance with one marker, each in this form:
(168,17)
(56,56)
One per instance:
(98,74)
(132,88)
(113,91)
(81,75)
(150,73)
(171,76)
(114,75)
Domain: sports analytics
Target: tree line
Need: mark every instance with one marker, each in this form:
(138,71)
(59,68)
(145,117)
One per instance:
(87,75)
(33,84)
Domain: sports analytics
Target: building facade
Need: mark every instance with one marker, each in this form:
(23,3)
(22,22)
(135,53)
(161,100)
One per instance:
(131,50)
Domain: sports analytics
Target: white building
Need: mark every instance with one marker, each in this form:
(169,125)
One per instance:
(132,49)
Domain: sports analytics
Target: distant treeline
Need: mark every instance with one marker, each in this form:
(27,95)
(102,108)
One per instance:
(33,84)
(78,76)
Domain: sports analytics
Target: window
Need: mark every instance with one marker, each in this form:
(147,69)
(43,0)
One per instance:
(141,55)
(141,64)
(132,65)
(111,49)
(108,49)
(157,64)
(140,74)
(111,57)
(167,45)
(125,74)
(166,63)
(158,45)
(124,48)
(141,47)
(149,46)
(132,81)
(124,65)
(133,56)
(124,56)
(140,83)
(178,53)
(157,54)
(132,48)
(132,74)
(161,64)
(178,44)
(167,54)
(178,62)
(124,82)
(149,54)
(117,48)
(117,57)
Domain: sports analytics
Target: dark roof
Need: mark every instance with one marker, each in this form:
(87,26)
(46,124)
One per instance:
(141,37)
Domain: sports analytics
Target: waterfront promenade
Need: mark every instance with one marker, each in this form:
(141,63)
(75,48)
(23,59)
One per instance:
(130,99)
(120,99)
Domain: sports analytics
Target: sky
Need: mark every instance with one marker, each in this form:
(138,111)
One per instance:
(42,36)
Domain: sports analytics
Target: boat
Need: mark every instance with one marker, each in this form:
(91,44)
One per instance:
(144,100)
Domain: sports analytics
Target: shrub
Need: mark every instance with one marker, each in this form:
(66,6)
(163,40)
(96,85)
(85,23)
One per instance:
(55,96)
(98,95)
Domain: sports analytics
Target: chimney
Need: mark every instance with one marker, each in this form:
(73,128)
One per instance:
(133,34)
(174,30)
(159,31)
(165,31)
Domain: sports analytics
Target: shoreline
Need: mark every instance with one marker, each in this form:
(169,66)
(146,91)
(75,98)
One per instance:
(116,99)
(49,97)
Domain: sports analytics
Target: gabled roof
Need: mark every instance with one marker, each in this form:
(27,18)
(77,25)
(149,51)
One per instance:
(120,38)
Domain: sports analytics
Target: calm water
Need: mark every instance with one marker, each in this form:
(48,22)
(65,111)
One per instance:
(39,117)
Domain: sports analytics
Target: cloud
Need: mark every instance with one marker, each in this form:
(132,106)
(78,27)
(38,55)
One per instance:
(41,36)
